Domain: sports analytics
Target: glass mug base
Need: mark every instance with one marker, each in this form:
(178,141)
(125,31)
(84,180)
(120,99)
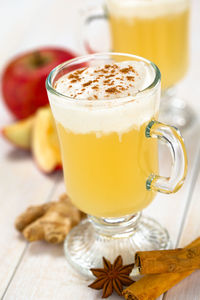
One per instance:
(94,238)
(174,111)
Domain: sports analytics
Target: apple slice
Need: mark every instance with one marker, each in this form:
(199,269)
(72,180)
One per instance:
(45,145)
(19,133)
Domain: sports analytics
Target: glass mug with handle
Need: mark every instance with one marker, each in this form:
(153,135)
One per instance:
(106,109)
(157,30)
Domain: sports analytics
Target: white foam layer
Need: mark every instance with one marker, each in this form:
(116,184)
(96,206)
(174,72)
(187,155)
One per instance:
(146,8)
(113,113)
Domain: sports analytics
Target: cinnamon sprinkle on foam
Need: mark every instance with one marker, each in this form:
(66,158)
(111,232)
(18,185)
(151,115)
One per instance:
(109,81)
(112,90)
(87,83)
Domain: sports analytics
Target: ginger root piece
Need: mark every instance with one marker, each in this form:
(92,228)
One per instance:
(50,222)
(30,215)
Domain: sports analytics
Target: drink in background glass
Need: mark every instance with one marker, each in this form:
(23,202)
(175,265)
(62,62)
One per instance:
(154,29)
(106,108)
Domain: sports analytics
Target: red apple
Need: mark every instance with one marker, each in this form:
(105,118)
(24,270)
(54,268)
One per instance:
(23,80)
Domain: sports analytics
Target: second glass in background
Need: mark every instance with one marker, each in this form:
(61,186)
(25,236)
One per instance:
(159,31)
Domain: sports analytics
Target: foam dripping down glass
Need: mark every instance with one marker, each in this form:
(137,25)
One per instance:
(106,108)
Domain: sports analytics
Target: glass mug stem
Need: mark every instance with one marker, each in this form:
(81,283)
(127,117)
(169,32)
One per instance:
(171,136)
(116,227)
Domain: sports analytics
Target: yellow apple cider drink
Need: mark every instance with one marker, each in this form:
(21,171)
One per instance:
(156,30)
(106,156)
(109,170)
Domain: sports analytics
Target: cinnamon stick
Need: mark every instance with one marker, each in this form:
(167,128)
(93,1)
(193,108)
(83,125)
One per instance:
(166,261)
(151,287)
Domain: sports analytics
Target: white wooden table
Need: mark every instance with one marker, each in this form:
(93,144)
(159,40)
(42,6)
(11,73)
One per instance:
(40,271)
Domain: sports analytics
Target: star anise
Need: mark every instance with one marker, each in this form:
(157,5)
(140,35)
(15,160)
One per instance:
(112,277)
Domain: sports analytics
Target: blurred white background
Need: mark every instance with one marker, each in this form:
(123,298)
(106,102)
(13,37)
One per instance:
(27,24)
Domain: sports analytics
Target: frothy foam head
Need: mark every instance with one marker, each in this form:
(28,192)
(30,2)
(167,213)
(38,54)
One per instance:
(118,85)
(146,8)
(108,82)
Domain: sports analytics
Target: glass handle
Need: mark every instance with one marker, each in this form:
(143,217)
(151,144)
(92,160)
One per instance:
(172,137)
(93,15)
